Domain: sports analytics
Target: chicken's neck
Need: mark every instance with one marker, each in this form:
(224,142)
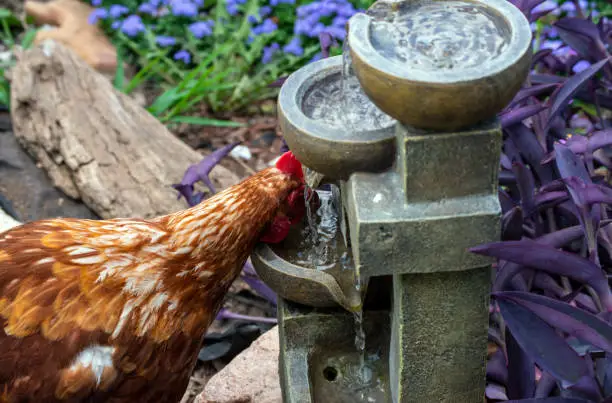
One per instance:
(219,233)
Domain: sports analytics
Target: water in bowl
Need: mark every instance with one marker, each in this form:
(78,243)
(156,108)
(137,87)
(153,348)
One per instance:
(339,101)
(439,35)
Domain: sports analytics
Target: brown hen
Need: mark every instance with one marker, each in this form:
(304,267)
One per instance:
(115,310)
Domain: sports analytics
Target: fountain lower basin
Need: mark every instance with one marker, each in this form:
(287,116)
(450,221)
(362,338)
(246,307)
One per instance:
(321,276)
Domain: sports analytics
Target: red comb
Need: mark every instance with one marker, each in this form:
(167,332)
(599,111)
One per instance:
(288,164)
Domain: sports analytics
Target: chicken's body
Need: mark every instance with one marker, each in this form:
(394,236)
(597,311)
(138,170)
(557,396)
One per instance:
(115,310)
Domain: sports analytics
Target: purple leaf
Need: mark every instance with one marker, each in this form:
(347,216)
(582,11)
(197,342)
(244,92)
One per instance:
(260,288)
(573,321)
(496,368)
(545,386)
(549,199)
(581,35)
(583,94)
(569,164)
(542,343)
(546,258)
(517,115)
(326,41)
(571,86)
(227,314)
(278,82)
(512,224)
(539,55)
(556,399)
(526,141)
(495,392)
(526,186)
(521,370)
(533,91)
(200,172)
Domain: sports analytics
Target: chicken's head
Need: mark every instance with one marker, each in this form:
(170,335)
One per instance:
(291,212)
(293,207)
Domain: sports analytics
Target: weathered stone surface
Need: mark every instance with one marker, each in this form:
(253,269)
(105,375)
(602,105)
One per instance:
(251,377)
(96,143)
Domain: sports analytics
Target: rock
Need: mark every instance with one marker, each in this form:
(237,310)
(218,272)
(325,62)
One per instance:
(74,30)
(28,188)
(6,221)
(96,143)
(251,377)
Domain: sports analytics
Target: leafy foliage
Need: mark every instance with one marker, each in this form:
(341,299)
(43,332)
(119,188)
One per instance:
(224,52)
(552,303)
(9,24)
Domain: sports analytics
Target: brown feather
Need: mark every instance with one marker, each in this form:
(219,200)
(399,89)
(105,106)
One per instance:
(115,310)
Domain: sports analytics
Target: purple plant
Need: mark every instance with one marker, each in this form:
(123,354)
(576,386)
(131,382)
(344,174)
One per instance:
(551,308)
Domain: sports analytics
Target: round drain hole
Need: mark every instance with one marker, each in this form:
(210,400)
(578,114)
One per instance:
(330,373)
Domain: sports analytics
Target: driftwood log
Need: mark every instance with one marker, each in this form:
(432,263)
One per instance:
(96,143)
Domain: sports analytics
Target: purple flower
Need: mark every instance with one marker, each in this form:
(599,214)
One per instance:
(97,14)
(265,11)
(268,26)
(275,3)
(117,10)
(336,32)
(547,5)
(268,52)
(551,44)
(116,24)
(132,25)
(183,56)
(581,66)
(96,3)
(184,8)
(294,47)
(147,8)
(232,8)
(202,28)
(165,41)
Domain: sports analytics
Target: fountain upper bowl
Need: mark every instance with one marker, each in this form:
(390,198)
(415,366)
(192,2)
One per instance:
(441,64)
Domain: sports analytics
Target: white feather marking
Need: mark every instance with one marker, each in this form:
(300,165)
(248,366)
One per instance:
(89,259)
(149,312)
(45,260)
(183,250)
(95,357)
(111,267)
(33,250)
(204,274)
(79,250)
(141,285)
(125,313)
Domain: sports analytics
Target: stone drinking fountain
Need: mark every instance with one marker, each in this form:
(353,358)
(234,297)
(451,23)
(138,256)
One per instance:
(403,129)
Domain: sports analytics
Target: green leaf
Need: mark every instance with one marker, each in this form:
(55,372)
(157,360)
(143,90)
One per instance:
(196,120)
(163,102)
(28,38)
(5,13)
(119,73)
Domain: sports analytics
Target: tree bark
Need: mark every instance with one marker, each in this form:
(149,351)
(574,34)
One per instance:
(95,142)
